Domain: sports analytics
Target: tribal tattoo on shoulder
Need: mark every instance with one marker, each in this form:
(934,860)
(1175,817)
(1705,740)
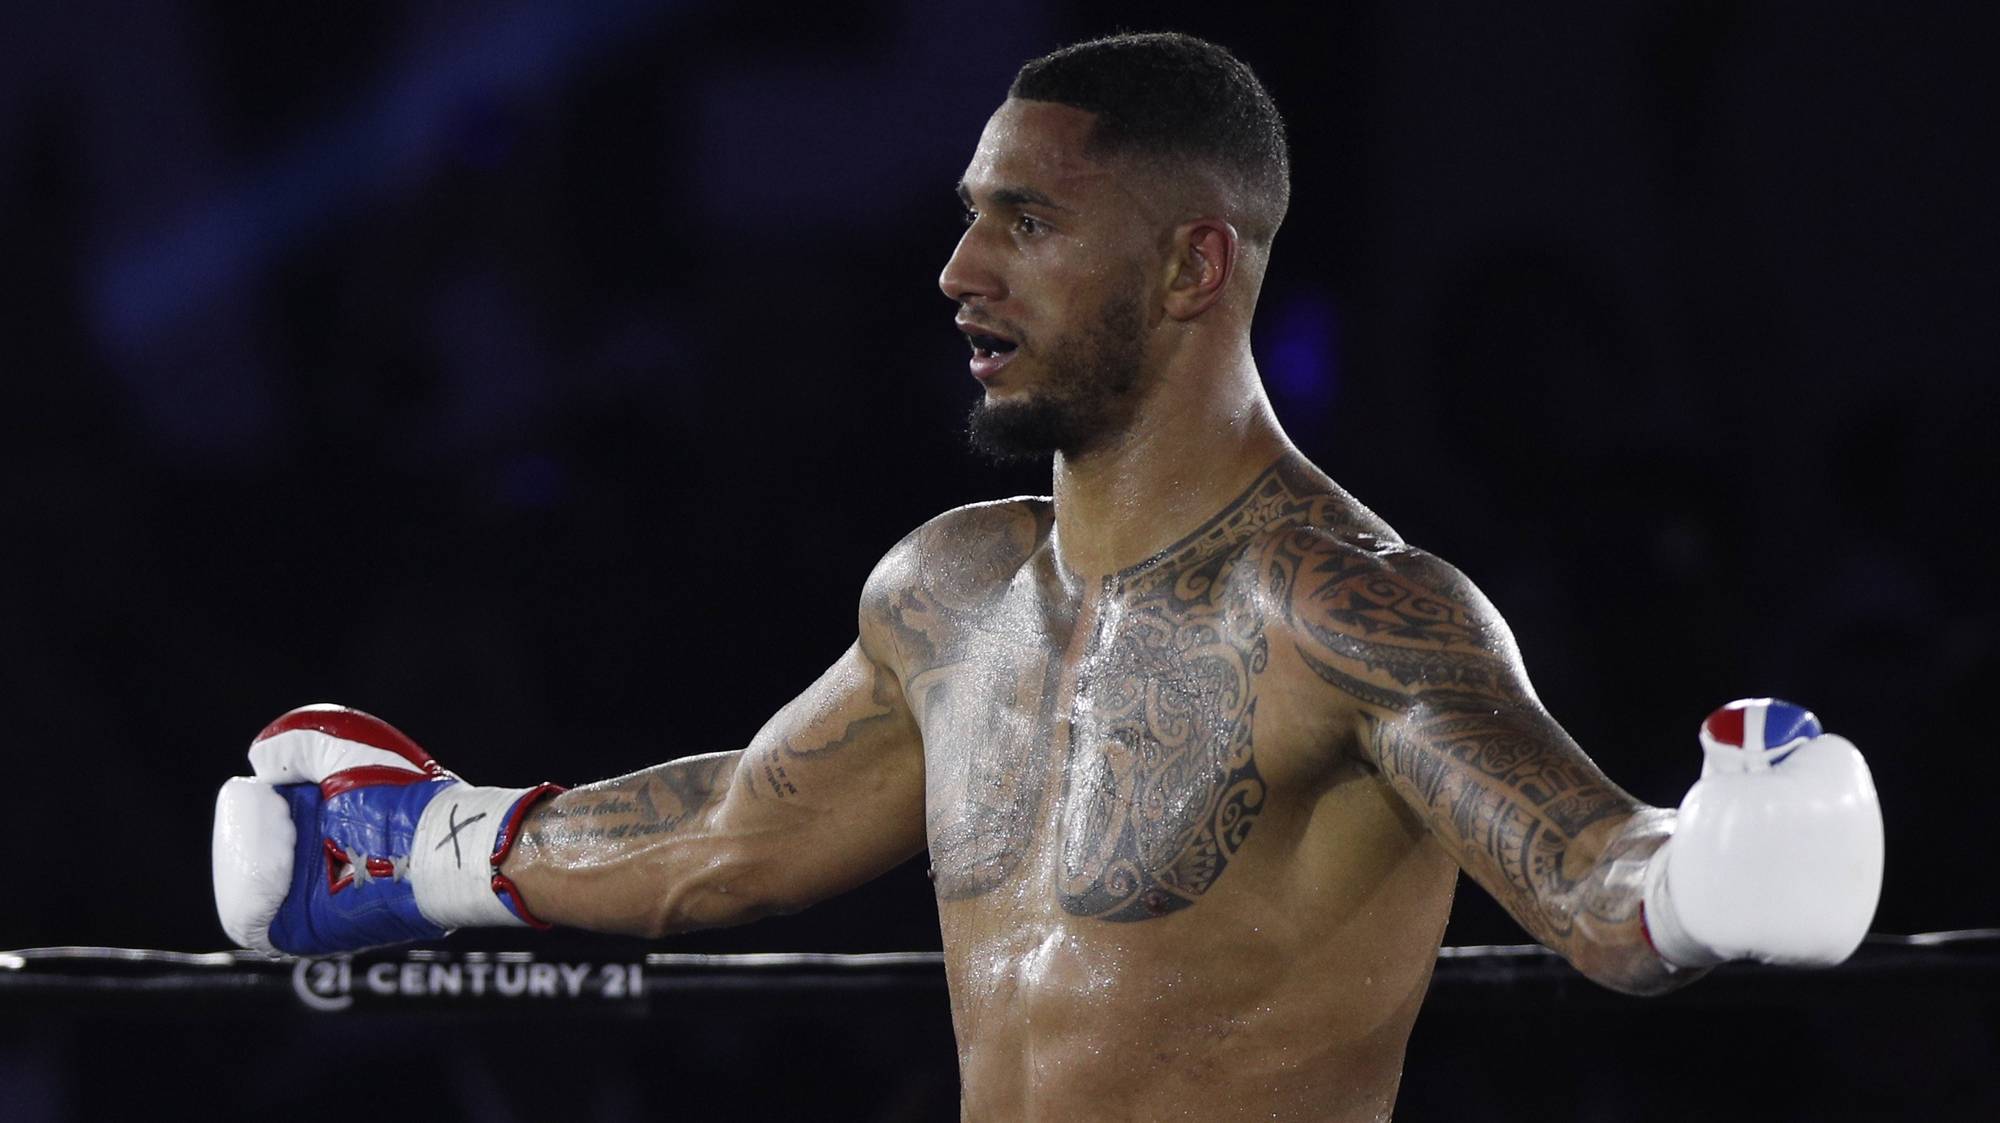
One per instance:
(1448,718)
(1162,787)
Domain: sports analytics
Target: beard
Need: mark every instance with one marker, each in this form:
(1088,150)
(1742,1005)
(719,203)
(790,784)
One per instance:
(1085,396)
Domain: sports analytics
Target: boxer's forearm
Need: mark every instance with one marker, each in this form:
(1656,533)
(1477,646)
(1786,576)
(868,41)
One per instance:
(1605,936)
(1580,896)
(1532,820)
(645,854)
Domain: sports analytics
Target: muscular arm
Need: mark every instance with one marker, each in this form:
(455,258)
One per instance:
(828,795)
(1444,714)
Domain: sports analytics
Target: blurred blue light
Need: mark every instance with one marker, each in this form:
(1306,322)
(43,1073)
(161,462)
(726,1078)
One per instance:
(1301,352)
(396,135)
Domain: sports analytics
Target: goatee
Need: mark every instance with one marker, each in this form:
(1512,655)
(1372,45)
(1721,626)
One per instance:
(1084,398)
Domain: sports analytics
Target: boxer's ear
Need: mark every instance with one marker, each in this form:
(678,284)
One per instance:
(1202,262)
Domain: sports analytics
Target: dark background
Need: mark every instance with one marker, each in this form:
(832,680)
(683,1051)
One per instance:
(547,377)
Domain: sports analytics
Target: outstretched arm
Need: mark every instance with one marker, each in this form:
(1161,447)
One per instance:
(349,835)
(829,794)
(1444,714)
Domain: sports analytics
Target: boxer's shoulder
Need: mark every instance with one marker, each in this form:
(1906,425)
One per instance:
(1299,528)
(968,549)
(1352,576)
(956,563)
(1385,622)
(1341,553)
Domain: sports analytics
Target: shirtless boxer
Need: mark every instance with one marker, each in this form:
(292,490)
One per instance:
(1198,745)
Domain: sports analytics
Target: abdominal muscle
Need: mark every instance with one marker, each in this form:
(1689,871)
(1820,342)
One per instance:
(1197,1015)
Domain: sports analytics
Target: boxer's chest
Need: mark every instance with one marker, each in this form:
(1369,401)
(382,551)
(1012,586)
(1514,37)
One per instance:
(1102,748)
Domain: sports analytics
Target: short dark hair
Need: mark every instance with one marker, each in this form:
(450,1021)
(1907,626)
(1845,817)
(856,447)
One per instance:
(1165,94)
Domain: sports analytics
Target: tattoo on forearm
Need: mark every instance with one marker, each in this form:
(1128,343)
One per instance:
(648,804)
(1513,803)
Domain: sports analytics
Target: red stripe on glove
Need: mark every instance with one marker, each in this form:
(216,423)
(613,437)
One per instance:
(348,779)
(353,725)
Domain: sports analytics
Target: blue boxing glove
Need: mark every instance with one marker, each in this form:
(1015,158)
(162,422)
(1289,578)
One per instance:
(350,836)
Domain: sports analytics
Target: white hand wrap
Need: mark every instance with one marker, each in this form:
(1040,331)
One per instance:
(451,858)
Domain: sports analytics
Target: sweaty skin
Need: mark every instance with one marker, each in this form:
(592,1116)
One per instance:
(1197,745)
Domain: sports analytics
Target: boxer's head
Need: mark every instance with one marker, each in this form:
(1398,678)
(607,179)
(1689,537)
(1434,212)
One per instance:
(1121,204)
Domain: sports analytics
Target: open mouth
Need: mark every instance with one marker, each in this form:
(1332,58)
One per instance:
(990,350)
(989,346)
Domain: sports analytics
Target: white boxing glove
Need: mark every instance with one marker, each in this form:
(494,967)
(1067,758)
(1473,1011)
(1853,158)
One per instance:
(1777,854)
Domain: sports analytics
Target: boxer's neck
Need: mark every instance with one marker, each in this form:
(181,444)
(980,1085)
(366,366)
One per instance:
(1191,447)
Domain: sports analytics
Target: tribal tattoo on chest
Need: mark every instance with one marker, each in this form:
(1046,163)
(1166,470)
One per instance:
(1144,739)
(1162,787)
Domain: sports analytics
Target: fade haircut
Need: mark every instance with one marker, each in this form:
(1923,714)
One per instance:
(1165,95)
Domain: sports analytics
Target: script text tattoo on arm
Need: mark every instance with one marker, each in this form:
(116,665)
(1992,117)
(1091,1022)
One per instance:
(657,801)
